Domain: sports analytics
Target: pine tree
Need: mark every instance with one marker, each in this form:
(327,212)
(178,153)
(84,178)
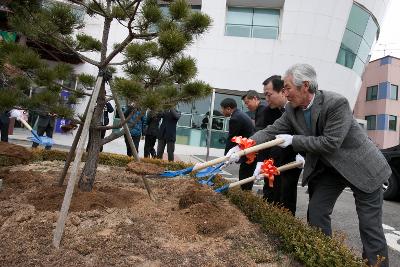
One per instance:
(158,74)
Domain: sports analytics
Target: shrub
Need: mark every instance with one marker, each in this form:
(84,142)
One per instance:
(307,244)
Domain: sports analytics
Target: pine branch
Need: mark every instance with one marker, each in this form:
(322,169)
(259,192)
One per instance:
(44,32)
(81,3)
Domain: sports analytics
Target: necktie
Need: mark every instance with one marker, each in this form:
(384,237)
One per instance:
(307,117)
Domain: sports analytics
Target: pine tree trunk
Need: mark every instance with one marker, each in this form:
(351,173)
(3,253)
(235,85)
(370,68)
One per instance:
(88,175)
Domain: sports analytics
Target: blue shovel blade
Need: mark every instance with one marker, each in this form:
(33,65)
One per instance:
(210,171)
(42,140)
(209,181)
(176,173)
(222,189)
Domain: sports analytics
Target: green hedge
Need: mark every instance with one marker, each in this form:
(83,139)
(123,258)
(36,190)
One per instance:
(308,245)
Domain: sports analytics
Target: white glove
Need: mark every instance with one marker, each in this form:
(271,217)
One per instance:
(232,154)
(299,158)
(288,139)
(258,170)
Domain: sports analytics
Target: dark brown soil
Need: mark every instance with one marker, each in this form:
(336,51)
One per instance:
(118,225)
(14,151)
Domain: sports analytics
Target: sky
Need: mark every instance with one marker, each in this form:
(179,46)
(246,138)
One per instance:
(389,37)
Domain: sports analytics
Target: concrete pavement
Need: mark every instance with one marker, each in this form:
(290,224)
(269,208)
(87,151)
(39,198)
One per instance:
(63,141)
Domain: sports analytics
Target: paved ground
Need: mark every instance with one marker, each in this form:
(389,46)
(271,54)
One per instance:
(344,219)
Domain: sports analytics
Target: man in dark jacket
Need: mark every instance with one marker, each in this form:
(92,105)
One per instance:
(240,124)
(136,125)
(46,122)
(284,191)
(151,132)
(167,133)
(4,123)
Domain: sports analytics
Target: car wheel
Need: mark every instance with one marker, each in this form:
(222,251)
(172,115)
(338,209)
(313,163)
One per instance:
(391,188)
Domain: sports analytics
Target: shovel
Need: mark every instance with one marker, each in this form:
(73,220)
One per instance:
(42,140)
(206,164)
(288,166)
(209,181)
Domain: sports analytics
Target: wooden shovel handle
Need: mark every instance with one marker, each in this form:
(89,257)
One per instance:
(288,166)
(27,126)
(241,153)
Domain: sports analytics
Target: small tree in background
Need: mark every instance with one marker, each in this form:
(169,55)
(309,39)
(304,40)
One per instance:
(21,69)
(158,74)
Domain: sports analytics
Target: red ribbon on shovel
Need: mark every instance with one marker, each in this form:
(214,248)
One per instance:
(244,143)
(269,170)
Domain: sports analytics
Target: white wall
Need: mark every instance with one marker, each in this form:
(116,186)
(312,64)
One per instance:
(310,32)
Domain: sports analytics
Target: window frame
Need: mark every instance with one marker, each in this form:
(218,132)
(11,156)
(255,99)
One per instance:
(397,92)
(252,27)
(369,94)
(369,126)
(395,122)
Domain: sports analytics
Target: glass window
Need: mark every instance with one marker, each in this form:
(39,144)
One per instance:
(372,93)
(370,31)
(371,122)
(360,34)
(266,17)
(238,15)
(345,57)
(265,32)
(238,30)
(358,20)
(252,22)
(394,90)
(351,41)
(392,123)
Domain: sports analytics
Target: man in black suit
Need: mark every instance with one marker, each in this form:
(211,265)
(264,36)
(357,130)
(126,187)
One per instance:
(167,133)
(284,191)
(240,124)
(4,123)
(46,122)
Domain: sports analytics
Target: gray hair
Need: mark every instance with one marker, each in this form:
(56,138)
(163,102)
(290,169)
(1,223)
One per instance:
(303,73)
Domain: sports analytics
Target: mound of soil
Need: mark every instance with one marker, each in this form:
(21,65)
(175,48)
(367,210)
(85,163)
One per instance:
(15,151)
(118,225)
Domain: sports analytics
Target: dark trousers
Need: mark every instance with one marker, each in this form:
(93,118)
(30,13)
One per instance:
(170,149)
(246,171)
(284,191)
(149,142)
(136,140)
(4,130)
(325,188)
(41,131)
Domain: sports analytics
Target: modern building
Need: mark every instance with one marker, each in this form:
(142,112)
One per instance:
(378,101)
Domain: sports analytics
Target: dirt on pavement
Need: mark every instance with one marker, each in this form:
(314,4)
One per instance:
(118,225)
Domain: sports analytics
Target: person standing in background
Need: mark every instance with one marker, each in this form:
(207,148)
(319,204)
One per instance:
(167,133)
(136,126)
(108,108)
(151,132)
(46,122)
(240,124)
(4,124)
